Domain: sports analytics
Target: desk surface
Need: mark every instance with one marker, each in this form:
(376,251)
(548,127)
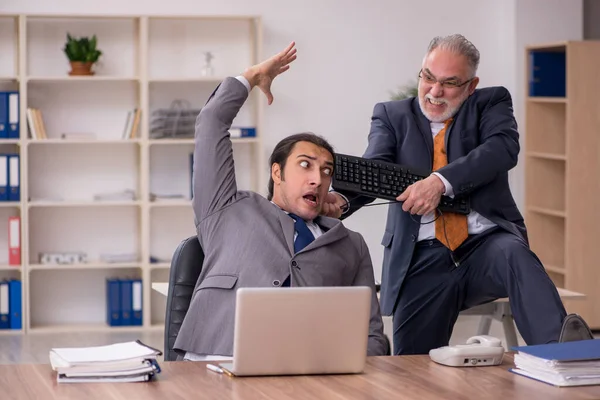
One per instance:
(401,377)
(163,288)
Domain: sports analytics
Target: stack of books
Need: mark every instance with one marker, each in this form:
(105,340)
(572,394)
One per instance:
(121,362)
(560,364)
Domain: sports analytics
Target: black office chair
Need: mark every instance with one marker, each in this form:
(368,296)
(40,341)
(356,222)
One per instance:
(186,266)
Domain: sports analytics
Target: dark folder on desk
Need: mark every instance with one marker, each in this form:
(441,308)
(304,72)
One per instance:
(561,364)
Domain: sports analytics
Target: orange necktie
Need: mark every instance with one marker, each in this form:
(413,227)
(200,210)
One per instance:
(450,228)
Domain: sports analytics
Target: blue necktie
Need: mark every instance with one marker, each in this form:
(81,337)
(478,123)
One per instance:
(303,239)
(305,236)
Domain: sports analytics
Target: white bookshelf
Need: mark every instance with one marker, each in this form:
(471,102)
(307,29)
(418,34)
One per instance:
(148,62)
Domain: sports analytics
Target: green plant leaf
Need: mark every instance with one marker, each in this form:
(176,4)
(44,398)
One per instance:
(82,49)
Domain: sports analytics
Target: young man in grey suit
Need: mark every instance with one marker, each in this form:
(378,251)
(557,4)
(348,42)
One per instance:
(436,265)
(250,241)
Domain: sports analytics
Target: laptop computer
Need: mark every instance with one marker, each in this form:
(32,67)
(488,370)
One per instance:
(300,331)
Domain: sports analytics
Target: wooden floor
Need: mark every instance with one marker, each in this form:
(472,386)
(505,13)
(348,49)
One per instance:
(34,348)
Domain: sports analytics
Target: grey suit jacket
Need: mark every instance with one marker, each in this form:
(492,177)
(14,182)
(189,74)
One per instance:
(248,241)
(482,145)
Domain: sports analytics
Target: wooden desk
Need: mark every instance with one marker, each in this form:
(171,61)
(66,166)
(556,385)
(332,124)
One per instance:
(498,310)
(401,377)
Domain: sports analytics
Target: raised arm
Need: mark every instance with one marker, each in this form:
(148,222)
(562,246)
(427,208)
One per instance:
(214,173)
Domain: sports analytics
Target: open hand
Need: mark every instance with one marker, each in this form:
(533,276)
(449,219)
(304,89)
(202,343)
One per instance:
(422,197)
(262,74)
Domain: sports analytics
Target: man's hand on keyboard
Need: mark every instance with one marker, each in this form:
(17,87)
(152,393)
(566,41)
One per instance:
(422,197)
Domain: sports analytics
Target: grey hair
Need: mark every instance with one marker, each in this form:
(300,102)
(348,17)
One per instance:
(457,44)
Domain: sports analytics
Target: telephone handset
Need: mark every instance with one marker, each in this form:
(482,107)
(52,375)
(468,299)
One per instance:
(478,351)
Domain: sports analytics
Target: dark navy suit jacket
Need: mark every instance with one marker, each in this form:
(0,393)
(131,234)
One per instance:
(482,145)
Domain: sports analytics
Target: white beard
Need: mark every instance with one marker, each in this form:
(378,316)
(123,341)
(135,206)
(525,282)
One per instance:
(449,113)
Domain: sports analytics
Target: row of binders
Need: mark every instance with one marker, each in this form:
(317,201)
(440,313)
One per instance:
(121,362)
(10,304)
(9,115)
(124,302)
(10,177)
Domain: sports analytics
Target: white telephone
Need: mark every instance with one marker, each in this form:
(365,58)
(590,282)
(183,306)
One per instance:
(479,351)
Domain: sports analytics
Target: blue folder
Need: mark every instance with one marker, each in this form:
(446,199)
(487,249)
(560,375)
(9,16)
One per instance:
(547,76)
(113,302)
(3,115)
(13,114)
(581,350)
(14,177)
(137,302)
(126,301)
(15,304)
(4,305)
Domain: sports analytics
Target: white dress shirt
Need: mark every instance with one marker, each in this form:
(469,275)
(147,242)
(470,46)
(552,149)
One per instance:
(476,222)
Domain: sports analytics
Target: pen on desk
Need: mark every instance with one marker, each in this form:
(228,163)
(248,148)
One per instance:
(227,372)
(214,368)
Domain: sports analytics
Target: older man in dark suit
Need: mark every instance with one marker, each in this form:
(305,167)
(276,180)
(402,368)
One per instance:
(436,265)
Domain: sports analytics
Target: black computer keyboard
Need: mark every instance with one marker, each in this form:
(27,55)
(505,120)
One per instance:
(384,180)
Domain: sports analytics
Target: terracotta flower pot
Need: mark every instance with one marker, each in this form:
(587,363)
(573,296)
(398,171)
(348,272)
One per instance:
(81,68)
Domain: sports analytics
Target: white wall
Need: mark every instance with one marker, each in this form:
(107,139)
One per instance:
(351,56)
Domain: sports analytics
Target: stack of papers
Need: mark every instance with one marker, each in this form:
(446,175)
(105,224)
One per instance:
(560,364)
(121,362)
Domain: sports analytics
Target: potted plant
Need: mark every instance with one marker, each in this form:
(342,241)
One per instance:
(410,90)
(82,54)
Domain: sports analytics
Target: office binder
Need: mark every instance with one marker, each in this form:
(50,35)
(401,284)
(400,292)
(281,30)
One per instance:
(113,302)
(3,176)
(13,115)
(126,301)
(3,115)
(242,132)
(14,241)
(547,76)
(15,304)
(4,304)
(574,363)
(136,305)
(14,177)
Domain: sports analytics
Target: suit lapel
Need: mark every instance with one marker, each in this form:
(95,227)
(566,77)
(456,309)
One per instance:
(287,228)
(333,230)
(425,128)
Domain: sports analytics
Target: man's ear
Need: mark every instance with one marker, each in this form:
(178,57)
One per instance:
(276,173)
(473,84)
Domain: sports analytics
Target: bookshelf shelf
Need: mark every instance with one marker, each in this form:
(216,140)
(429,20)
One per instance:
(83,141)
(160,265)
(183,79)
(65,328)
(11,332)
(171,203)
(8,204)
(148,64)
(534,99)
(561,170)
(93,78)
(84,204)
(6,267)
(87,266)
(547,156)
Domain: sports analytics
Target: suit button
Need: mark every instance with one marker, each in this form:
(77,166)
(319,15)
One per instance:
(294,264)
(413,238)
(276,282)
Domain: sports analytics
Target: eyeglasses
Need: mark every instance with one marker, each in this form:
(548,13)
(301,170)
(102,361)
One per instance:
(447,84)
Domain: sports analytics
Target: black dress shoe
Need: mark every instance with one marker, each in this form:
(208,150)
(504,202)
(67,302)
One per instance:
(574,328)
